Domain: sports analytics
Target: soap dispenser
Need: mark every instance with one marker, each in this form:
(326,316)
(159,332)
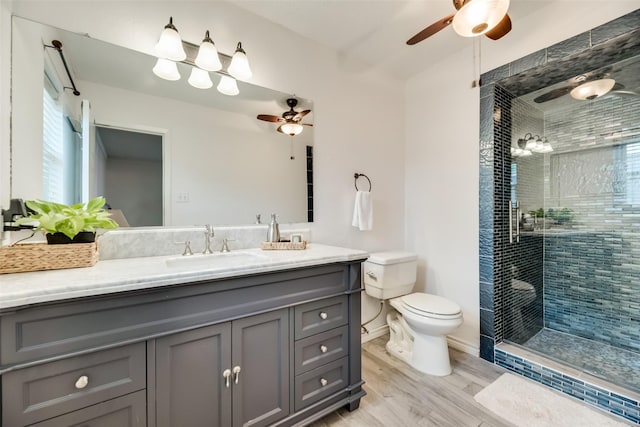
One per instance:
(273,234)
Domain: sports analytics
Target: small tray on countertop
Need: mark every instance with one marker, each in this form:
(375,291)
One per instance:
(287,246)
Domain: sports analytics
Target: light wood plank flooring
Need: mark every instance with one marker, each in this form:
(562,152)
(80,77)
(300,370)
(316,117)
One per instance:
(398,395)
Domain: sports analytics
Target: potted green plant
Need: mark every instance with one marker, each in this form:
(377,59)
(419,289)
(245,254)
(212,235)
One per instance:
(69,224)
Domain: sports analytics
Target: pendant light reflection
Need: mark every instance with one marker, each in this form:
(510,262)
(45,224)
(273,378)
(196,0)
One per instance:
(228,86)
(290,128)
(239,67)
(207,58)
(166,69)
(592,89)
(479,16)
(530,144)
(170,44)
(200,79)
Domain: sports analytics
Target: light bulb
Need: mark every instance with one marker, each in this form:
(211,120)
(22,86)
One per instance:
(290,128)
(479,16)
(228,86)
(166,69)
(592,89)
(200,79)
(207,58)
(239,67)
(170,44)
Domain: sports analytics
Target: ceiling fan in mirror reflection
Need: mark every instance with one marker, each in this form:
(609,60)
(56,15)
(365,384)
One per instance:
(170,50)
(290,120)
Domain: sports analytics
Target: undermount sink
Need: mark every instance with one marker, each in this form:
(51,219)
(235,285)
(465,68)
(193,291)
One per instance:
(215,260)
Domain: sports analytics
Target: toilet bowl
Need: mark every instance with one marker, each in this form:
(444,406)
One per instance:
(419,322)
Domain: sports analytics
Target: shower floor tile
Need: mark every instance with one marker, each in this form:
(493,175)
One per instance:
(621,367)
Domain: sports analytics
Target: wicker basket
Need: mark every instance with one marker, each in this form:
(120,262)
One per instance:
(268,246)
(41,256)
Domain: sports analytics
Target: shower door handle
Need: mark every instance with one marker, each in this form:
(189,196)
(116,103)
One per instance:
(514,205)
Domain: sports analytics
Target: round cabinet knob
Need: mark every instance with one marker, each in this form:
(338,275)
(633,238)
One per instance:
(323,348)
(82,382)
(323,315)
(323,382)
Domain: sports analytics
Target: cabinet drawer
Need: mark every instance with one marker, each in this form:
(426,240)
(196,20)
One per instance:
(319,383)
(319,316)
(45,391)
(125,411)
(319,349)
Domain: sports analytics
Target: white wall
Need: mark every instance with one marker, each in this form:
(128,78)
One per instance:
(442,151)
(5,101)
(358,116)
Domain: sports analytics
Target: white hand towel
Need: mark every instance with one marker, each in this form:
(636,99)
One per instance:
(363,211)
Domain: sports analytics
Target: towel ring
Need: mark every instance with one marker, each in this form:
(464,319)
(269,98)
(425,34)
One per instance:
(358,175)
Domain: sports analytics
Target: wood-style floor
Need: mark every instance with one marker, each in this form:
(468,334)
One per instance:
(398,395)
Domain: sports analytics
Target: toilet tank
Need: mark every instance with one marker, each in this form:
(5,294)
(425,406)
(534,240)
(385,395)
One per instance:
(389,274)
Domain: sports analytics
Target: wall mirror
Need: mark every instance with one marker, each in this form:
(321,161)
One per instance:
(145,143)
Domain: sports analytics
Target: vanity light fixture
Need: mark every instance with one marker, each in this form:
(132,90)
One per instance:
(170,44)
(290,128)
(200,79)
(170,49)
(207,58)
(166,69)
(239,67)
(592,89)
(530,144)
(479,16)
(228,86)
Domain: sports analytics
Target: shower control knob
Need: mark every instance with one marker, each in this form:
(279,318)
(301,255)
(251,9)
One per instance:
(323,382)
(323,315)
(323,348)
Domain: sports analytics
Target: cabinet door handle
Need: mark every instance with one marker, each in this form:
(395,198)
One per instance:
(323,348)
(323,382)
(236,374)
(372,276)
(226,374)
(82,382)
(323,315)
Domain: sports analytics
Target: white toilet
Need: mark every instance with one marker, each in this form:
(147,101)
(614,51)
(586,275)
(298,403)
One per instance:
(420,323)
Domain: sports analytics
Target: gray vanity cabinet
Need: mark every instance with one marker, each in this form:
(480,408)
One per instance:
(271,349)
(233,371)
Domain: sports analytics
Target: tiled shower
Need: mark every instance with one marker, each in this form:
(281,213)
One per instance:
(560,276)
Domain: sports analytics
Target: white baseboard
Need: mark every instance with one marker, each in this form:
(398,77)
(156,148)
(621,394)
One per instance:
(463,346)
(375,333)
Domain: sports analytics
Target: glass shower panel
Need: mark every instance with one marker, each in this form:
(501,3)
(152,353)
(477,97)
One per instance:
(574,291)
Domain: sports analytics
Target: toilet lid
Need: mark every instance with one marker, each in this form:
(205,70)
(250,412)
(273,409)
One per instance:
(432,304)
(521,285)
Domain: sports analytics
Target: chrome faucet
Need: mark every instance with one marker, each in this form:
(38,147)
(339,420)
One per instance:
(208,234)
(225,245)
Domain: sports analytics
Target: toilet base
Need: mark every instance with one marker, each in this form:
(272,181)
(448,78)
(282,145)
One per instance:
(404,344)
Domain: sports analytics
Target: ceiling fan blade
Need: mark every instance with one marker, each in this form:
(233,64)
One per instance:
(617,86)
(300,115)
(306,124)
(501,29)
(553,94)
(431,29)
(269,118)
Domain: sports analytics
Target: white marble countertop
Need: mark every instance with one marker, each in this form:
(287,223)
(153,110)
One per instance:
(119,275)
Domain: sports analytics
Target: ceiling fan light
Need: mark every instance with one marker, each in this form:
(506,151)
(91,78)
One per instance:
(592,89)
(291,128)
(207,58)
(200,79)
(239,67)
(228,86)
(479,16)
(166,69)
(170,44)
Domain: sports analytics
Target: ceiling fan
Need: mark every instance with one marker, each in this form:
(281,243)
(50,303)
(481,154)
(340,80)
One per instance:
(290,119)
(473,18)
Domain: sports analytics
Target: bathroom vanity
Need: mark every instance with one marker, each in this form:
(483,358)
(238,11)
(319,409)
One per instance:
(256,338)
